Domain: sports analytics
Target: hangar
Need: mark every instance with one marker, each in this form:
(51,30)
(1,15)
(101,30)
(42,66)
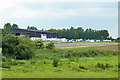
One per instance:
(33,33)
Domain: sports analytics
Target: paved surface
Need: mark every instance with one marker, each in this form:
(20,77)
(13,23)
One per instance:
(83,44)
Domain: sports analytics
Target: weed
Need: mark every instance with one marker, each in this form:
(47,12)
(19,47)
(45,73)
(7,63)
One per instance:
(55,62)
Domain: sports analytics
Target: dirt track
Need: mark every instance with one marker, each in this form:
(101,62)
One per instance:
(83,44)
(107,47)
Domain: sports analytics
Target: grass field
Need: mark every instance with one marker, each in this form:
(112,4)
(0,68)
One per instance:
(72,63)
(65,69)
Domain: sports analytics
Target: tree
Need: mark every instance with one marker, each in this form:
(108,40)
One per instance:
(50,45)
(7,26)
(110,38)
(79,33)
(102,38)
(28,27)
(118,39)
(52,30)
(56,31)
(32,28)
(14,26)
(17,47)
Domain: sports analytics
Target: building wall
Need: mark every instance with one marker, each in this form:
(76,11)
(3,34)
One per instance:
(32,33)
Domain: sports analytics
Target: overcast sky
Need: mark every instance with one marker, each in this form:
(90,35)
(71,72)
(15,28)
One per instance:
(58,14)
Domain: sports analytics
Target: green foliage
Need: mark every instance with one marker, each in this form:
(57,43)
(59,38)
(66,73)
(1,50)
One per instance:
(66,68)
(8,26)
(118,39)
(55,62)
(82,67)
(14,26)
(3,58)
(119,65)
(39,44)
(32,28)
(71,59)
(56,31)
(50,45)
(33,62)
(17,47)
(72,53)
(71,33)
(79,33)
(103,65)
(7,63)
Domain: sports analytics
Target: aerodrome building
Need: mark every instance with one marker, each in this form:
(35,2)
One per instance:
(33,33)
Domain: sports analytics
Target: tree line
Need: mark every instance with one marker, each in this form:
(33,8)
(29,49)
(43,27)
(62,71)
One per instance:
(71,33)
(80,33)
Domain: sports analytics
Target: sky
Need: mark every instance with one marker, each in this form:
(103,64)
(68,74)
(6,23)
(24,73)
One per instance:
(59,14)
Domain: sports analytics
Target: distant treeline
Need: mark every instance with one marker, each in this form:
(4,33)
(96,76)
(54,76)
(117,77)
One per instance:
(79,33)
(71,33)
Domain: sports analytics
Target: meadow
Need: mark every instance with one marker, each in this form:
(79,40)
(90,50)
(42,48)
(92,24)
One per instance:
(65,63)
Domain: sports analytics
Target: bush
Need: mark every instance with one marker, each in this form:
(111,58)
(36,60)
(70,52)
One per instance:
(17,47)
(21,62)
(39,44)
(13,62)
(5,65)
(103,65)
(55,62)
(33,62)
(50,45)
(82,67)
(119,65)
(3,58)
(10,62)
(71,59)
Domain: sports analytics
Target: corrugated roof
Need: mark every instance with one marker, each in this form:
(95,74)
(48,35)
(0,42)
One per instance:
(34,30)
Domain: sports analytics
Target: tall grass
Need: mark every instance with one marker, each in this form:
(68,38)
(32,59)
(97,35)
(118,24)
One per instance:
(82,52)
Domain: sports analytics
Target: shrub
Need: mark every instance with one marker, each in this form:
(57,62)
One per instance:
(21,62)
(50,45)
(55,62)
(13,62)
(3,58)
(75,68)
(119,65)
(39,44)
(103,65)
(5,65)
(33,62)
(82,67)
(17,47)
(71,59)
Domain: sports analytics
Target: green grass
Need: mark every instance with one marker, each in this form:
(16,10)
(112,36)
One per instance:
(0,64)
(63,75)
(75,52)
(66,69)
(70,64)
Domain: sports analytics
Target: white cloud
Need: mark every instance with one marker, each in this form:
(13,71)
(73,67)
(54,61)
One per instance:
(52,12)
(6,4)
(13,10)
(22,12)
